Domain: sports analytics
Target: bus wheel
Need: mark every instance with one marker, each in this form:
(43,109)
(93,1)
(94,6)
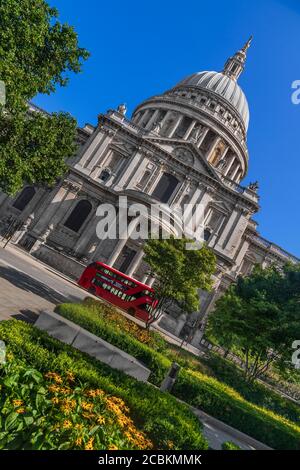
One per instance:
(92,290)
(131,311)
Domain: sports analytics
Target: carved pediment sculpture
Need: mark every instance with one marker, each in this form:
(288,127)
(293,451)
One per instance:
(184,154)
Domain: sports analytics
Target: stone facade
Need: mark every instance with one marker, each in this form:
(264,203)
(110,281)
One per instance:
(186,146)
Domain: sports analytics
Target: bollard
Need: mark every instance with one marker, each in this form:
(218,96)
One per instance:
(170,379)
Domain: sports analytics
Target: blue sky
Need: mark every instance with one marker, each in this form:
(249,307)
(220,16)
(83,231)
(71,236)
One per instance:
(141,48)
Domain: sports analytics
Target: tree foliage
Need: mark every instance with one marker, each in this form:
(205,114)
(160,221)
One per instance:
(179,273)
(36,54)
(260,316)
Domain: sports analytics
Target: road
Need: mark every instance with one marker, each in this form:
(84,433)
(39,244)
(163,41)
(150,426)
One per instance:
(28,286)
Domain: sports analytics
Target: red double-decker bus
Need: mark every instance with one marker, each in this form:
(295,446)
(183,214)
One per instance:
(133,296)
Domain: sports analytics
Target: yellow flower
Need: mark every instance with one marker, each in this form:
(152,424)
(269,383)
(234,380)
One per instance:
(112,447)
(53,375)
(55,400)
(170,444)
(100,420)
(78,426)
(70,377)
(78,441)
(18,402)
(57,379)
(88,415)
(53,388)
(87,406)
(67,424)
(89,444)
(64,390)
(20,410)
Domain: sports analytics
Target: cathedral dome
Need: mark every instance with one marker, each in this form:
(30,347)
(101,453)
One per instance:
(223,85)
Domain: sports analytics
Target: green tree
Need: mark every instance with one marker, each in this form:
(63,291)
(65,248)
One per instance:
(36,54)
(259,316)
(179,273)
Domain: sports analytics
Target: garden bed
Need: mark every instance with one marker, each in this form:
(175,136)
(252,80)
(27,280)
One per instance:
(158,418)
(196,388)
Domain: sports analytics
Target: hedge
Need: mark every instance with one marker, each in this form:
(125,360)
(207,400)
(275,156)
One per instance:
(90,319)
(227,372)
(158,414)
(224,403)
(195,388)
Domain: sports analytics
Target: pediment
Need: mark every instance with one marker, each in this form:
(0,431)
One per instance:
(186,152)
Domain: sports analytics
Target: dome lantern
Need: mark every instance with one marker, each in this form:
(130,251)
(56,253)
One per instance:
(234,66)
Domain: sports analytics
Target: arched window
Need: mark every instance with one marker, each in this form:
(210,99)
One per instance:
(78,215)
(105,174)
(24,198)
(165,187)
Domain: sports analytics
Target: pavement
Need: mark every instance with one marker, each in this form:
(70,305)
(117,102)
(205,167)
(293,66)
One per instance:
(28,286)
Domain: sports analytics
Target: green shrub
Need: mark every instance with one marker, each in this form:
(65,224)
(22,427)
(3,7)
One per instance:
(168,423)
(257,393)
(224,403)
(90,318)
(192,386)
(228,445)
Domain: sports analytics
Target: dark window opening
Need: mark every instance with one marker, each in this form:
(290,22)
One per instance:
(207,234)
(78,215)
(165,187)
(104,175)
(24,198)
(182,128)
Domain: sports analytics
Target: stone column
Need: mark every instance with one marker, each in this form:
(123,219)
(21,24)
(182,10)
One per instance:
(42,240)
(144,118)
(206,198)
(233,177)
(150,281)
(135,262)
(241,255)
(97,155)
(238,176)
(223,155)
(117,251)
(121,243)
(92,146)
(154,178)
(177,123)
(24,229)
(228,227)
(215,143)
(202,137)
(229,166)
(233,241)
(152,120)
(195,199)
(86,235)
(56,205)
(188,132)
